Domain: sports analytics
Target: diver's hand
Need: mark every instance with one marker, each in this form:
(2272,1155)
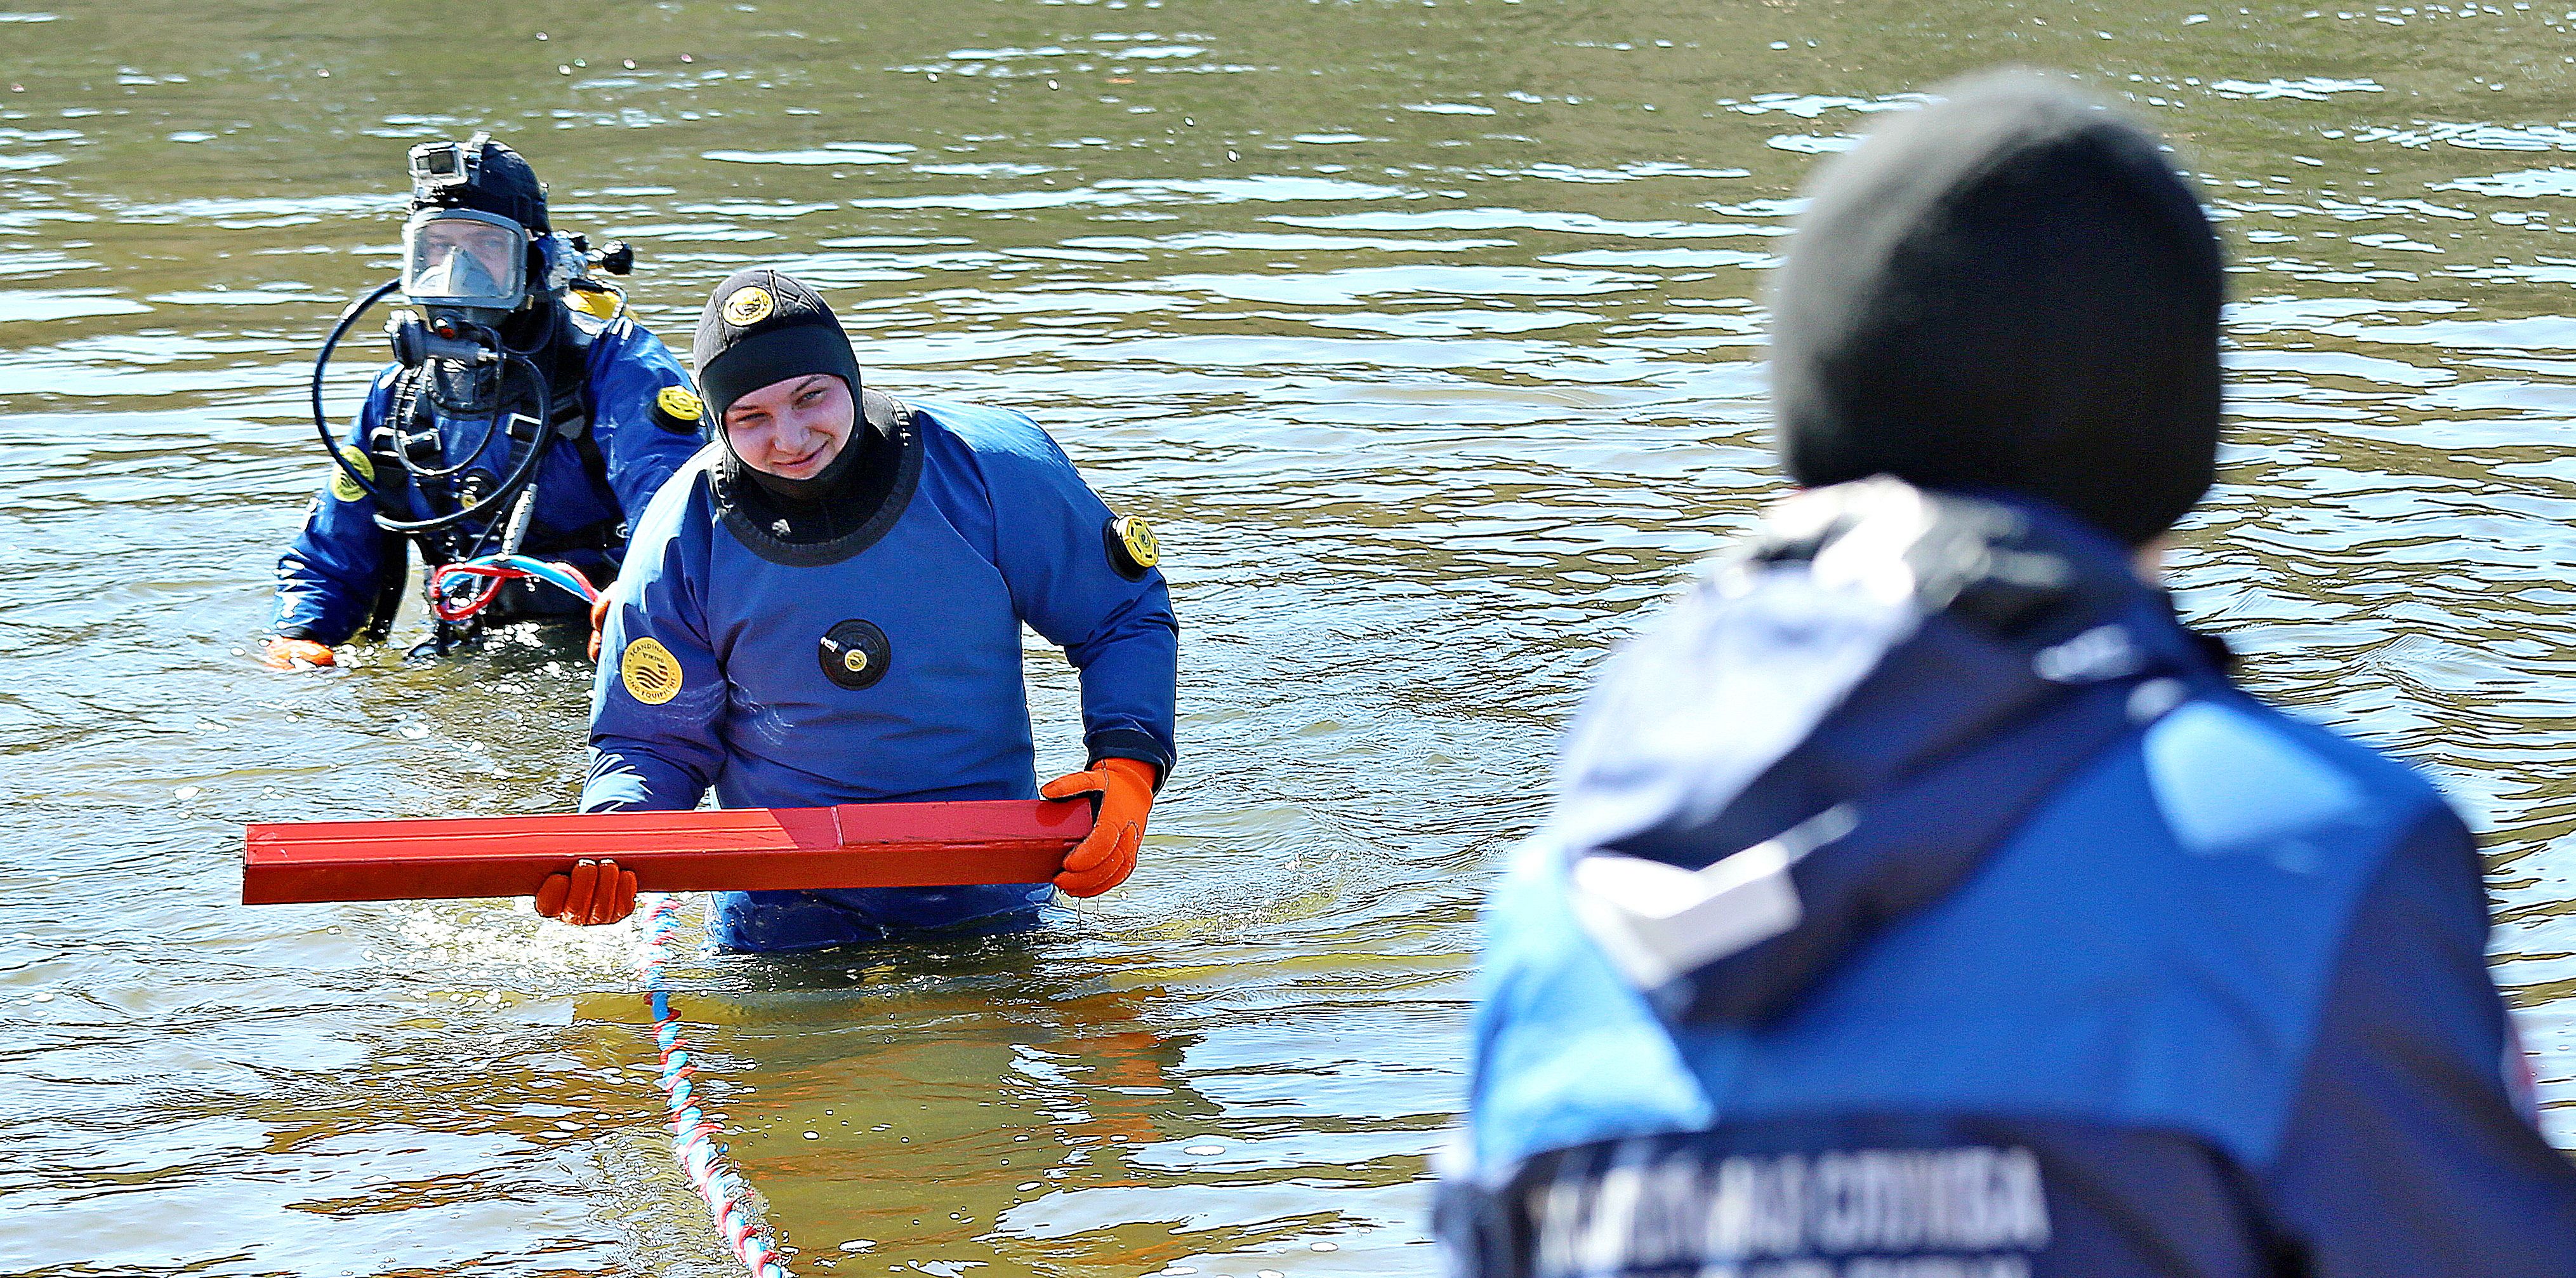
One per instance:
(1108,856)
(281,653)
(595,892)
(598,622)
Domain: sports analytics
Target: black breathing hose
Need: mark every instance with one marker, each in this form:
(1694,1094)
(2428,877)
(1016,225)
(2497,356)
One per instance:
(321,363)
(519,475)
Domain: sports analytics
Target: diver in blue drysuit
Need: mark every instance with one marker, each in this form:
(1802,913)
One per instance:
(1921,898)
(445,429)
(852,635)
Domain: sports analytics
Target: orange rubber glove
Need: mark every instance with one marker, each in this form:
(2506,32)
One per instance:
(598,622)
(1108,856)
(281,653)
(595,892)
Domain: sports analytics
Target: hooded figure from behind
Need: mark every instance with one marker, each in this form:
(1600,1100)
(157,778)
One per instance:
(1920,896)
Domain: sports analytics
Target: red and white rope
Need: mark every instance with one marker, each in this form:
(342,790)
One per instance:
(693,1131)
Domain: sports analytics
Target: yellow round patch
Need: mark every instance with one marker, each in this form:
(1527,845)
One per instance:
(748,306)
(1138,537)
(345,488)
(680,403)
(855,661)
(651,673)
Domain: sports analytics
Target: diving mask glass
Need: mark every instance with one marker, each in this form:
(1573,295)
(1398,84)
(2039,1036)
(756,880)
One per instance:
(464,258)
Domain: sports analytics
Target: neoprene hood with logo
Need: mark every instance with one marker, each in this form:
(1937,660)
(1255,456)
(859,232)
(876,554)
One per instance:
(762,327)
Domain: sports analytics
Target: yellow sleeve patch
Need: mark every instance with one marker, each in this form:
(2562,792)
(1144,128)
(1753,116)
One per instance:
(650,672)
(345,488)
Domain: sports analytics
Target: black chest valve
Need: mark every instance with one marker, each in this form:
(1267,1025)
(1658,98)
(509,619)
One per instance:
(855,654)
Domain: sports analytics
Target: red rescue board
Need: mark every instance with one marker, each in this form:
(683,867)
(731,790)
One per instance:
(740,849)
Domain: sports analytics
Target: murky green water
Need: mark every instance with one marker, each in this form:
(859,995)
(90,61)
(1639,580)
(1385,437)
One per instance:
(1427,333)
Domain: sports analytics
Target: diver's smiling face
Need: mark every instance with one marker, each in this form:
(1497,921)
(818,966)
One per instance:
(792,429)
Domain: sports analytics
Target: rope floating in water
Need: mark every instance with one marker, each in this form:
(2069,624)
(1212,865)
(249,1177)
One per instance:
(454,597)
(693,1133)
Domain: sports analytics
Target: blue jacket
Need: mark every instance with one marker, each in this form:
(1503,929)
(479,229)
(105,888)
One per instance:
(887,668)
(330,580)
(2110,971)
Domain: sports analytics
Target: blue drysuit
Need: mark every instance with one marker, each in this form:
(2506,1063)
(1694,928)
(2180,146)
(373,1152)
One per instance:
(2088,964)
(342,568)
(723,633)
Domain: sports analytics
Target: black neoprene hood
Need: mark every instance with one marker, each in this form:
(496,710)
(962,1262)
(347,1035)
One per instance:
(762,327)
(2008,290)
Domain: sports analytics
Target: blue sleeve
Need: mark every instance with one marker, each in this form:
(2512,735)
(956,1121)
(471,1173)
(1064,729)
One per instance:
(626,376)
(328,579)
(2408,1151)
(659,694)
(1051,543)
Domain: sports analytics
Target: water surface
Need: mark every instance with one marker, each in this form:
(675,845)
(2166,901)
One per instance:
(1427,334)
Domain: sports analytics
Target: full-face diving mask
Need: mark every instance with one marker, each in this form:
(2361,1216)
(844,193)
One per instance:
(465,259)
(477,252)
